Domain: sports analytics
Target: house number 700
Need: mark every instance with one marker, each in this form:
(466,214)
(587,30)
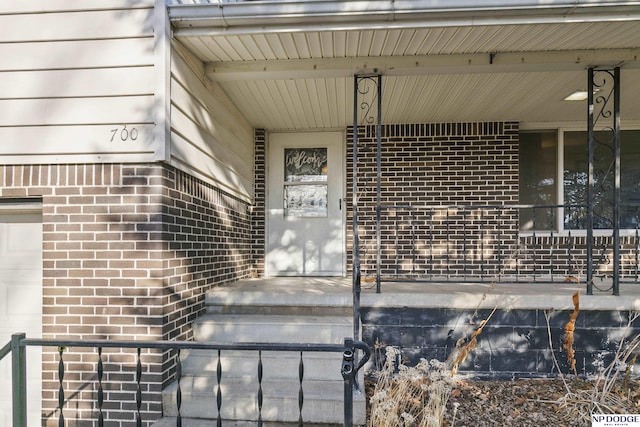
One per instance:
(124,134)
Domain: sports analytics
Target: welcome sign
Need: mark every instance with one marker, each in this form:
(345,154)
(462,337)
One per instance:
(305,164)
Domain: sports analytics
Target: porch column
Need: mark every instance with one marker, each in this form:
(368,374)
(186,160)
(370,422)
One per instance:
(367,110)
(603,189)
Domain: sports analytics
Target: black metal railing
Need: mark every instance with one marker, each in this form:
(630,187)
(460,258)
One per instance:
(486,243)
(17,347)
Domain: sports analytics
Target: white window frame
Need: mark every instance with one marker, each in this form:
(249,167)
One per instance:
(560,231)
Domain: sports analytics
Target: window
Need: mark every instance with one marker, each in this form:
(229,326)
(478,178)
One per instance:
(538,179)
(554,171)
(305,176)
(575,179)
(630,179)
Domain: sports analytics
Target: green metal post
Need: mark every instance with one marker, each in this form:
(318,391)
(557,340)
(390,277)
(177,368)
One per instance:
(19,380)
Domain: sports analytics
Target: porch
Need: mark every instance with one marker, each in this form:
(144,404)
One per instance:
(423,319)
(310,292)
(426,319)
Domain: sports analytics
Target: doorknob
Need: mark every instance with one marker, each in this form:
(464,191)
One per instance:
(340,203)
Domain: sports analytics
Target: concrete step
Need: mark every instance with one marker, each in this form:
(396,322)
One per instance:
(289,296)
(214,307)
(323,400)
(284,365)
(231,328)
(289,315)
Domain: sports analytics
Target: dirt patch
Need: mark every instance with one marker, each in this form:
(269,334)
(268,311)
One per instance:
(522,403)
(525,402)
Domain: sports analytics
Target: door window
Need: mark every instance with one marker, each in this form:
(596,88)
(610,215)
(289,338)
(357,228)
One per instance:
(305,188)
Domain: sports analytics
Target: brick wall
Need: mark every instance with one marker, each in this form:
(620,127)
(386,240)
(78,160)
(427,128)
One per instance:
(431,165)
(559,256)
(128,253)
(258,217)
(443,190)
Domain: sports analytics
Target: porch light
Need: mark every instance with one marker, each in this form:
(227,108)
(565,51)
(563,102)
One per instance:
(578,95)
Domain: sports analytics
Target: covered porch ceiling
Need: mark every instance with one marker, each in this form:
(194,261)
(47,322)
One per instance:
(289,65)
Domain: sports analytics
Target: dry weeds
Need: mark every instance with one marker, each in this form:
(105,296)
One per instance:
(569,329)
(612,391)
(412,396)
(465,346)
(428,395)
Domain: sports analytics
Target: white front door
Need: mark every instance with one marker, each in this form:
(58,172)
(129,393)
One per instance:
(305,210)
(21,303)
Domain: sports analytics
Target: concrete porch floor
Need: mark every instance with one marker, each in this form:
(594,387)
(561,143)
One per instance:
(336,291)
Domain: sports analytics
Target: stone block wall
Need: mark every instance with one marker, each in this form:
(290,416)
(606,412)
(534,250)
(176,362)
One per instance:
(513,343)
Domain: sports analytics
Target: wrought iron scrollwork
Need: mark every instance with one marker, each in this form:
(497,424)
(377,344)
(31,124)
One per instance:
(605,146)
(367,94)
(604,168)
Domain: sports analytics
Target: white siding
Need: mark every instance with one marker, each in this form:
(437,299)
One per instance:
(77,81)
(209,137)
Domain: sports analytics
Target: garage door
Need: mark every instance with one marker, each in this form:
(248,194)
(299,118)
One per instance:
(21,300)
